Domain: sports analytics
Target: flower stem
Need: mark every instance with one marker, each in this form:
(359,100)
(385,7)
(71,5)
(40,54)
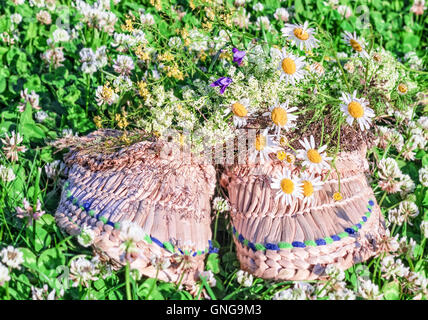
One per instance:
(383,198)
(154,282)
(127,282)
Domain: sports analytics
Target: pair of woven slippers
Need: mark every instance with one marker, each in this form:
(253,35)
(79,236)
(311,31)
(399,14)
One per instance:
(158,196)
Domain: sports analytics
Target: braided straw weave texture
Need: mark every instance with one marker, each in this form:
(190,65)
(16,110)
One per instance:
(151,183)
(259,218)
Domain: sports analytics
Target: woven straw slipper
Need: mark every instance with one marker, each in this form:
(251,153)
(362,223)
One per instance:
(149,183)
(297,241)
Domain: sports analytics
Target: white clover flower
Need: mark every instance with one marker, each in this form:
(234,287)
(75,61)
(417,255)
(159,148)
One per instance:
(44,17)
(407,247)
(423,123)
(160,262)
(174,42)
(388,168)
(6,174)
(344,11)
(16,18)
(32,98)
(287,294)
(242,18)
(413,60)
(263,21)
(290,294)
(67,133)
(244,278)
(102,269)
(406,185)
(130,231)
(37,3)
(220,204)
(82,271)
(417,284)
(41,116)
(60,35)
(424,228)
(11,145)
(209,277)
(391,268)
(147,19)
(258,7)
(101,57)
(395,217)
(390,175)
(369,290)
(334,272)
(4,274)
(239,3)
(122,83)
(123,65)
(44,294)
(54,57)
(12,257)
(281,14)
(86,236)
(408,210)
(54,168)
(87,58)
(342,294)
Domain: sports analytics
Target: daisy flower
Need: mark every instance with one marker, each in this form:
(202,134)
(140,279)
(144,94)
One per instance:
(356,109)
(402,89)
(289,187)
(300,35)
(240,111)
(312,157)
(310,185)
(281,116)
(291,67)
(357,44)
(261,146)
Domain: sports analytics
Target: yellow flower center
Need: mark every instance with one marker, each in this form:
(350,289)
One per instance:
(308,188)
(337,196)
(239,110)
(290,158)
(301,34)
(402,88)
(283,141)
(314,156)
(355,45)
(288,65)
(281,155)
(260,142)
(355,109)
(287,186)
(279,116)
